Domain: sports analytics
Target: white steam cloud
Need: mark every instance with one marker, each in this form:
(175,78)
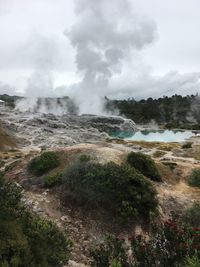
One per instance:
(104,35)
(107,39)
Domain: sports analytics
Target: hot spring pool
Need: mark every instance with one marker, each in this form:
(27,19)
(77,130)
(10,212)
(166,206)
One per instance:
(159,136)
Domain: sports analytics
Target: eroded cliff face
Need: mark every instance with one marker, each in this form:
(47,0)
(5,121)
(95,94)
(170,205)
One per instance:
(48,130)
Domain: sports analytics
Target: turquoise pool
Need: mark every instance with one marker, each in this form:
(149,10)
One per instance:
(159,136)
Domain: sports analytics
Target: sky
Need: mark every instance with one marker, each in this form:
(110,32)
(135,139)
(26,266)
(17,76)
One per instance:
(84,48)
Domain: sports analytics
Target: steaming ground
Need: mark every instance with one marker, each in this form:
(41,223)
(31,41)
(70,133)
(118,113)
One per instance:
(38,130)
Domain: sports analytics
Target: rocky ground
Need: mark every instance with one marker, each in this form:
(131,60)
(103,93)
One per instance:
(38,130)
(72,136)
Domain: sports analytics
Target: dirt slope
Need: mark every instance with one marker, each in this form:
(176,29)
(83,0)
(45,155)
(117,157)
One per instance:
(6,142)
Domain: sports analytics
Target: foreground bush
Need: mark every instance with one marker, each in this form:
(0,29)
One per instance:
(25,238)
(110,253)
(53,180)
(44,163)
(194,178)
(171,244)
(193,261)
(192,215)
(119,189)
(144,164)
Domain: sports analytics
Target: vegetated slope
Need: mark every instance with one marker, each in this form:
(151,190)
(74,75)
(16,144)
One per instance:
(6,141)
(87,227)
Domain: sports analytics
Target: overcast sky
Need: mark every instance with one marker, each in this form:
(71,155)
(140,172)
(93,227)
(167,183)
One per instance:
(48,44)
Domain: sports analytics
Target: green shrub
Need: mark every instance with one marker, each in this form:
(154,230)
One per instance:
(192,215)
(53,180)
(44,163)
(25,238)
(2,163)
(144,164)
(192,261)
(111,253)
(85,158)
(119,189)
(187,145)
(194,178)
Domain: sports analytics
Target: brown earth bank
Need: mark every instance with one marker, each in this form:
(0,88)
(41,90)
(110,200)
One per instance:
(86,227)
(7,142)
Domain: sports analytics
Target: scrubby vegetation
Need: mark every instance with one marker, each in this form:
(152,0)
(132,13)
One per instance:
(194,178)
(192,215)
(25,238)
(187,145)
(2,163)
(144,164)
(84,158)
(53,180)
(44,163)
(193,261)
(119,189)
(169,244)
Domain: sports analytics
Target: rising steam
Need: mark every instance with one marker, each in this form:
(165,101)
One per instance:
(104,35)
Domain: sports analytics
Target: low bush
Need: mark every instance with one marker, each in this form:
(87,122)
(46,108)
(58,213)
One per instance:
(168,244)
(192,215)
(53,180)
(193,261)
(144,164)
(25,238)
(85,158)
(119,189)
(187,145)
(194,178)
(110,253)
(44,163)
(2,163)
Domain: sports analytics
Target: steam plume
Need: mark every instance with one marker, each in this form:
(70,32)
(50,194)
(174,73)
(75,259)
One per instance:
(104,35)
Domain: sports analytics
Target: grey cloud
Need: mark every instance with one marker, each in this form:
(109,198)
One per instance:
(7,89)
(147,85)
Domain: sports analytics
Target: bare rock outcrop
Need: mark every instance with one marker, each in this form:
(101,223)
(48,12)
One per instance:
(49,130)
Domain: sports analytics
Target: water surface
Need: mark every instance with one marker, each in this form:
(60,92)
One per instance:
(159,136)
